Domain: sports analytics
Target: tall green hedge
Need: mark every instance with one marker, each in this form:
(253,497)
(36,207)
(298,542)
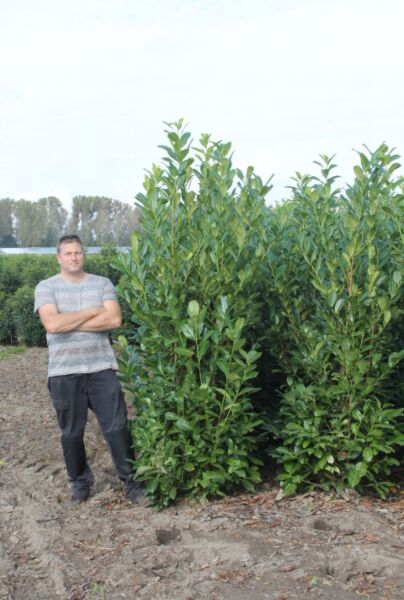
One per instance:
(191,284)
(303,299)
(335,308)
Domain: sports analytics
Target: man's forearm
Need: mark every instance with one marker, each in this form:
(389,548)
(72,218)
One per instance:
(102,322)
(70,321)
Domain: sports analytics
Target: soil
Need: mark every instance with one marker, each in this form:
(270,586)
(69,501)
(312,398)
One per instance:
(245,547)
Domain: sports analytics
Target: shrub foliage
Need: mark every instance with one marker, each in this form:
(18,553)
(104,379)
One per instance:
(191,284)
(335,305)
(315,282)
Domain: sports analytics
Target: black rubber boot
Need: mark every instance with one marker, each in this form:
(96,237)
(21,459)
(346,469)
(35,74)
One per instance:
(120,445)
(134,491)
(79,472)
(75,456)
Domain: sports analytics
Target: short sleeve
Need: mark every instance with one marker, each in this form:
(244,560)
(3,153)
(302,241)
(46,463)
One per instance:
(108,292)
(43,295)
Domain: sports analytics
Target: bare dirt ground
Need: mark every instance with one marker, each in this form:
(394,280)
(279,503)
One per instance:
(247,547)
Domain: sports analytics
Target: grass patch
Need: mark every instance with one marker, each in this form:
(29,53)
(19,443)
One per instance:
(6,351)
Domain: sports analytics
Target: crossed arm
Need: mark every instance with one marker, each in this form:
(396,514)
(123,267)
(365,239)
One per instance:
(98,318)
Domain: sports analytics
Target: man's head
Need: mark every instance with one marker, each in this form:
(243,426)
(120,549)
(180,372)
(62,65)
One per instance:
(70,255)
(68,239)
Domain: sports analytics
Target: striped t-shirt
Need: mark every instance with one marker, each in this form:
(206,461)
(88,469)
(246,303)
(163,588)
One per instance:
(77,351)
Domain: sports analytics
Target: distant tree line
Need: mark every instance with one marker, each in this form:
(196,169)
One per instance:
(97,219)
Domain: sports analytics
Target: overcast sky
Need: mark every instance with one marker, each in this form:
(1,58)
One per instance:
(85,86)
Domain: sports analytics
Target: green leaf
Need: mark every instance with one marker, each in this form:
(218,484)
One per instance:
(382,301)
(351,223)
(289,489)
(188,331)
(173,137)
(339,304)
(395,358)
(183,425)
(356,474)
(189,467)
(239,325)
(367,454)
(184,138)
(223,366)
(223,304)
(240,236)
(184,351)
(397,277)
(134,244)
(252,356)
(203,348)
(136,283)
(359,173)
(193,309)
(122,341)
(386,317)
(170,416)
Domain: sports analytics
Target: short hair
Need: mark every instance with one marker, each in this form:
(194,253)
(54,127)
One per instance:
(67,239)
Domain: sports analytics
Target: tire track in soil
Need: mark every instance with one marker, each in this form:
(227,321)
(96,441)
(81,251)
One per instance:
(33,571)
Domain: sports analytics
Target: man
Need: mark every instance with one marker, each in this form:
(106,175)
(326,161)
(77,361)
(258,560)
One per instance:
(78,310)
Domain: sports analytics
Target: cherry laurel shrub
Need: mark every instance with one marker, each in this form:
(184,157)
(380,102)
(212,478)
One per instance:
(191,284)
(335,306)
(28,328)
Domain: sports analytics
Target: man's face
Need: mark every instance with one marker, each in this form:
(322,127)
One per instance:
(71,258)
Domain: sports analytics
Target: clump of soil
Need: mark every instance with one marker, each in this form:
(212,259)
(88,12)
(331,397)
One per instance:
(248,547)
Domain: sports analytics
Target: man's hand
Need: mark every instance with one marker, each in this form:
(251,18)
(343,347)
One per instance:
(55,322)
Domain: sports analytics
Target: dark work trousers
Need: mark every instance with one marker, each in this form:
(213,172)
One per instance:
(72,396)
